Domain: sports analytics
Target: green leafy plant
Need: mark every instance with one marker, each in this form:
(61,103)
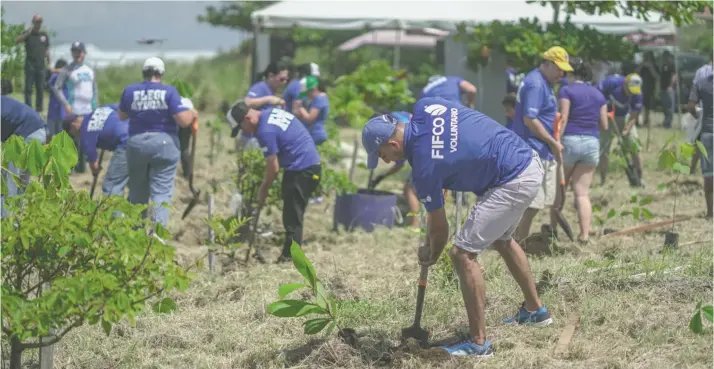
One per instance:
(695,324)
(676,157)
(635,208)
(226,234)
(13,55)
(324,304)
(374,86)
(67,260)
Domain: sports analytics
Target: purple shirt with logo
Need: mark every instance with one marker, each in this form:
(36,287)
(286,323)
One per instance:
(55,110)
(612,88)
(585,104)
(103,129)
(445,88)
(281,133)
(151,107)
(450,146)
(535,99)
(292,90)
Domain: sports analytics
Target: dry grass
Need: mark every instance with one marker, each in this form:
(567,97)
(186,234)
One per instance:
(222,320)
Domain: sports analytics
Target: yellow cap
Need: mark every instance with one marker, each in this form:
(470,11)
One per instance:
(559,56)
(634,83)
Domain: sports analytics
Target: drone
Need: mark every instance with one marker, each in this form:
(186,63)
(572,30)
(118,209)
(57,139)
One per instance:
(151,41)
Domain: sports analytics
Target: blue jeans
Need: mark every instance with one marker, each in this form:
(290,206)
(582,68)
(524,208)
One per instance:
(12,188)
(667,99)
(153,158)
(117,175)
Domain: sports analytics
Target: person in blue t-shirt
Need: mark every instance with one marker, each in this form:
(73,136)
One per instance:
(286,144)
(536,106)
(55,110)
(625,95)
(262,94)
(317,111)
(102,129)
(702,91)
(19,119)
(450,88)
(409,194)
(155,111)
(450,146)
(292,90)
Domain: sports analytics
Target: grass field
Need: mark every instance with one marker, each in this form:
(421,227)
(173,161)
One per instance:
(624,321)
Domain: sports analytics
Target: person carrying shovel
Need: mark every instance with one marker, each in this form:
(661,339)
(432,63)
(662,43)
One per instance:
(285,143)
(155,111)
(450,146)
(102,129)
(625,93)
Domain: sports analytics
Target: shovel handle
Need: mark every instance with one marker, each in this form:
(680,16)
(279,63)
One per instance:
(421,292)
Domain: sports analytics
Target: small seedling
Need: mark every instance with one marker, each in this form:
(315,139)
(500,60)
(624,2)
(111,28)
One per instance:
(695,324)
(324,304)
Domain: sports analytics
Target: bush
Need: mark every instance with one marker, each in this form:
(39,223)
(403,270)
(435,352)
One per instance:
(67,260)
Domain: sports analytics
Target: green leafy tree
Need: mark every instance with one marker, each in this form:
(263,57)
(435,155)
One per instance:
(324,304)
(66,260)
(13,56)
(676,156)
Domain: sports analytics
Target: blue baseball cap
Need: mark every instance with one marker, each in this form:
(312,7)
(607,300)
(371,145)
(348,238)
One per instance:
(78,46)
(376,132)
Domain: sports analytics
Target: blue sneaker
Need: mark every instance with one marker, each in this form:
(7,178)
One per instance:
(539,318)
(470,349)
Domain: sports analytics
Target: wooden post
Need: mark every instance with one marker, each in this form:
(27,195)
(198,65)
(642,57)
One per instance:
(211,236)
(354,160)
(47,352)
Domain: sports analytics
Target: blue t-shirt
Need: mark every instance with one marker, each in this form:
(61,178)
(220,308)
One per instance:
(102,129)
(450,146)
(445,87)
(292,90)
(18,119)
(317,129)
(585,104)
(55,110)
(281,133)
(151,107)
(612,88)
(262,89)
(535,99)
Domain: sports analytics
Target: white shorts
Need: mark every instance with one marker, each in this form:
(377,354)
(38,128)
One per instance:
(498,212)
(547,190)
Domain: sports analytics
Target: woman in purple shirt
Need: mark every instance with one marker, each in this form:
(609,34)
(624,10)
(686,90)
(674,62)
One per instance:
(262,95)
(583,111)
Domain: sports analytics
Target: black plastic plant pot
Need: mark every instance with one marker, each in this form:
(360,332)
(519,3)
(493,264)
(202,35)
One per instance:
(671,240)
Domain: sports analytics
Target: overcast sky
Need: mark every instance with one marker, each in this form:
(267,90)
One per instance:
(118,25)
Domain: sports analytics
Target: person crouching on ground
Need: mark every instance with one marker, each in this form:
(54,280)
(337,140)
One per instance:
(155,111)
(102,129)
(285,143)
(482,157)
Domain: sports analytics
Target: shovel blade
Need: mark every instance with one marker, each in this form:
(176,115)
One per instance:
(418,333)
(191,205)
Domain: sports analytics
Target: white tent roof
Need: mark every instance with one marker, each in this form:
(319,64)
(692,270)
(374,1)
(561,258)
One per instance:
(356,15)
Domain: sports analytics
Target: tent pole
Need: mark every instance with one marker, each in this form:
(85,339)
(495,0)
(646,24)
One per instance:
(679,77)
(397,48)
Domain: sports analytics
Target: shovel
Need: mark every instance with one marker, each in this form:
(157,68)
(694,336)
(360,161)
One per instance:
(415,330)
(94,180)
(558,208)
(253,231)
(194,191)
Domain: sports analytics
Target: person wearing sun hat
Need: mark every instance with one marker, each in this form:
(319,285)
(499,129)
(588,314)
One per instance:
(536,106)
(624,96)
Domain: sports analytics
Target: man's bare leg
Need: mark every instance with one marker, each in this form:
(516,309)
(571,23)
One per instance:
(473,290)
(517,264)
(524,227)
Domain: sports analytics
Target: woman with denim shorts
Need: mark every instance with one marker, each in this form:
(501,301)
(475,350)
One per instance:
(583,111)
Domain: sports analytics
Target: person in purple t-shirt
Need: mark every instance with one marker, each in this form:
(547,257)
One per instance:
(261,95)
(450,88)
(286,144)
(583,113)
(155,111)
